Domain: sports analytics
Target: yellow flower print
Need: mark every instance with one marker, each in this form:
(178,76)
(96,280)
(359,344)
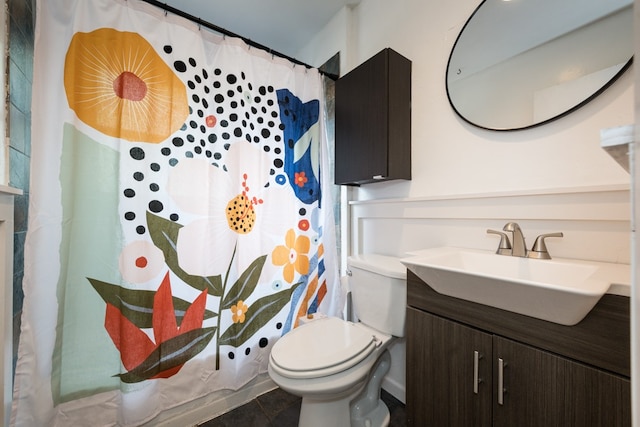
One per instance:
(238,312)
(241,215)
(117,84)
(293,255)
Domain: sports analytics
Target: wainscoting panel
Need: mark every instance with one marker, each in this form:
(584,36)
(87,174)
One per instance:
(595,222)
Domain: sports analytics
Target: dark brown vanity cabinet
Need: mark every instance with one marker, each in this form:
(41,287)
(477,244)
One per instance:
(462,372)
(440,373)
(373,121)
(543,389)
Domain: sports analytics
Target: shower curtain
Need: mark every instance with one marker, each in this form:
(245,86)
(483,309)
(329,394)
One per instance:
(178,219)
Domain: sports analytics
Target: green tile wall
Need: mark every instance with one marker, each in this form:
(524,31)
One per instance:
(20,69)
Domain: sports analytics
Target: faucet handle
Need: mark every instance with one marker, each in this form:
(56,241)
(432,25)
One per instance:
(504,248)
(539,249)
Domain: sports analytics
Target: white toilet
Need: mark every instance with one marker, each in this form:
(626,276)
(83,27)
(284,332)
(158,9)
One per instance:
(337,366)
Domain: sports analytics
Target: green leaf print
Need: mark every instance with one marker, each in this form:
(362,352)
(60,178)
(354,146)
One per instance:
(258,315)
(164,234)
(245,285)
(170,354)
(137,305)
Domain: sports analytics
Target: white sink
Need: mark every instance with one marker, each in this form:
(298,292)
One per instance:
(558,290)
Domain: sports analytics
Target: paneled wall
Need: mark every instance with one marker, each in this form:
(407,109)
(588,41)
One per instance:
(595,222)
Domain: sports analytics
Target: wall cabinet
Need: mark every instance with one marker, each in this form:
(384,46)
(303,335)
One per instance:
(373,121)
(460,372)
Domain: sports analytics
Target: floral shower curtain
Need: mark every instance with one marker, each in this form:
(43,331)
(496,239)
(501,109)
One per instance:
(178,222)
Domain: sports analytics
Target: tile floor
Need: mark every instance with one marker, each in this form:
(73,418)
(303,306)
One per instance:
(281,409)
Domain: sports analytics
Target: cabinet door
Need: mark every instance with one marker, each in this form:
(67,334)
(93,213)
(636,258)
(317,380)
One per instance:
(362,125)
(373,121)
(541,389)
(440,373)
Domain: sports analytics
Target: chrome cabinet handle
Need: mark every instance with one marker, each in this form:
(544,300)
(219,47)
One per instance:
(476,380)
(501,390)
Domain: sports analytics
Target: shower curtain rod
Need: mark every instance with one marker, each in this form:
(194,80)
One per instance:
(226,32)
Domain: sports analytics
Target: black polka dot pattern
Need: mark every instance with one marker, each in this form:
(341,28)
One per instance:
(224,108)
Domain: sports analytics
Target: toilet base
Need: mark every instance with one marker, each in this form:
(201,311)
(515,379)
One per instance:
(379,417)
(368,410)
(322,413)
(314,413)
(361,407)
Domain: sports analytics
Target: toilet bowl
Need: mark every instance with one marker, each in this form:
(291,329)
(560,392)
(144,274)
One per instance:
(332,378)
(337,366)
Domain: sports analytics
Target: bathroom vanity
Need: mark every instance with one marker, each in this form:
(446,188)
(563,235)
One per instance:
(469,364)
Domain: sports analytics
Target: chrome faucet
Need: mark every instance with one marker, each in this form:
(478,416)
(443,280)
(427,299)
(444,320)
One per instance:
(518,247)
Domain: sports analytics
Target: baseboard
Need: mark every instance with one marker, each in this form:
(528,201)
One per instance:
(213,405)
(394,388)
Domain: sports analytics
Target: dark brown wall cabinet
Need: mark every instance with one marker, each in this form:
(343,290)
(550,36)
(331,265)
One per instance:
(462,371)
(373,121)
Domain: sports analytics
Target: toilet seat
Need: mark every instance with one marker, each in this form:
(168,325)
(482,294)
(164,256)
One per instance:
(321,348)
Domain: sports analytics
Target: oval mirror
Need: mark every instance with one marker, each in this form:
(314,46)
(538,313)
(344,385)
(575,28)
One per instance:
(518,63)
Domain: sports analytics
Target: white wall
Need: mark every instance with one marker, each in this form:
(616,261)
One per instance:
(465,180)
(450,156)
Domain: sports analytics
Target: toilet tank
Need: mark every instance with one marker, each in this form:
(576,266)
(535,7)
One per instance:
(379,291)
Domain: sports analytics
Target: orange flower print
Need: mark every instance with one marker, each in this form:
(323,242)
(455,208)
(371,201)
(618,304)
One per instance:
(293,255)
(238,312)
(300,179)
(117,84)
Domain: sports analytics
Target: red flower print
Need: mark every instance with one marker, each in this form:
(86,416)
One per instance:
(143,357)
(300,179)
(303,225)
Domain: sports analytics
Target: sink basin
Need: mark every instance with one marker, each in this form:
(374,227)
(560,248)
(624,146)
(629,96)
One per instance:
(558,290)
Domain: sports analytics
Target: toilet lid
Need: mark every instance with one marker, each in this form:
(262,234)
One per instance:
(322,347)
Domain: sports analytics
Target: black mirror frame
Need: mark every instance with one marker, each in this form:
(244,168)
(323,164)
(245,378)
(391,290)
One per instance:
(546,121)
